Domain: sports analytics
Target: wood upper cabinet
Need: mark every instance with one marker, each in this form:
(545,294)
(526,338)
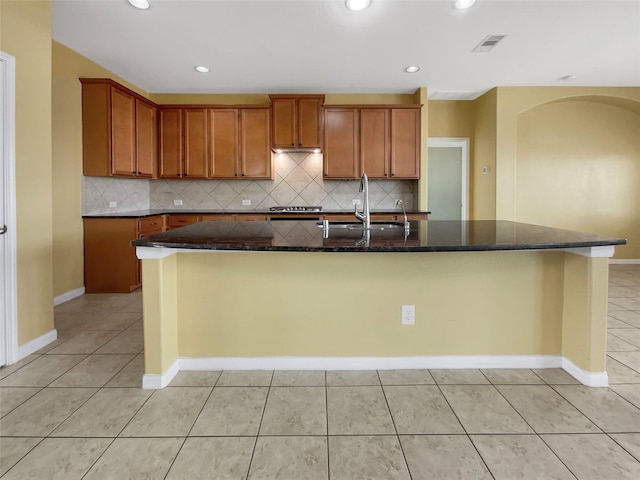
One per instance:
(196,155)
(170,155)
(223,143)
(255,151)
(297,121)
(146,139)
(118,131)
(374,142)
(341,143)
(381,141)
(184,143)
(405,143)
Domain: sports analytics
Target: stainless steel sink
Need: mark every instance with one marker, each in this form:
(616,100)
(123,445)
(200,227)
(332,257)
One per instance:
(360,226)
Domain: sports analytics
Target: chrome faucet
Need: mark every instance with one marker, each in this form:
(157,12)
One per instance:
(365,216)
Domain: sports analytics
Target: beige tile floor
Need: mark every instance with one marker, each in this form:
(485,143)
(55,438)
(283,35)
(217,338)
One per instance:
(75,409)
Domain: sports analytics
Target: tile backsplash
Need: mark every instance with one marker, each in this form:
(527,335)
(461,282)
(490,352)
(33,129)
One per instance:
(297,181)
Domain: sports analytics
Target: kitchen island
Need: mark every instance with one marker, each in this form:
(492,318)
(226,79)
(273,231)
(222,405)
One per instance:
(293,295)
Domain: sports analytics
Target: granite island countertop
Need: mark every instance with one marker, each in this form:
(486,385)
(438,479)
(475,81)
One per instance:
(153,212)
(423,236)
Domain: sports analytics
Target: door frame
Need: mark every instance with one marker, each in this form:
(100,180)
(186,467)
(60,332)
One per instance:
(9,326)
(463,143)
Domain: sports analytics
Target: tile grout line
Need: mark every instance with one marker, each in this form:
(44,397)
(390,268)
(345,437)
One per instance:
(326,416)
(464,429)
(539,436)
(393,421)
(264,408)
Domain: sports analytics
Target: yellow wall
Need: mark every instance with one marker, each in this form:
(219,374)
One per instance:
(257,304)
(585,174)
(68,66)
(25,33)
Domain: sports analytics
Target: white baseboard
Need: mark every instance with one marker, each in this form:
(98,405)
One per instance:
(371,363)
(70,295)
(152,381)
(37,343)
(624,261)
(590,379)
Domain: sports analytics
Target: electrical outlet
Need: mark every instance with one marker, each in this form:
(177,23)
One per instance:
(246,202)
(408,314)
(485,170)
(356,201)
(177,203)
(113,204)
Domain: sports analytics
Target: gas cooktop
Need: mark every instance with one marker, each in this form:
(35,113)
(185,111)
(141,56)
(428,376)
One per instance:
(296,209)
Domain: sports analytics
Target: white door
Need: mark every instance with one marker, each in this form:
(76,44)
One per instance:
(8,275)
(447,179)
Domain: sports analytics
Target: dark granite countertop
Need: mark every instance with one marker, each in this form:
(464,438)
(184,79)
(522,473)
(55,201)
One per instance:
(150,213)
(424,236)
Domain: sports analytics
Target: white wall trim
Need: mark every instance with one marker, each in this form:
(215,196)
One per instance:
(156,381)
(601,251)
(624,261)
(156,253)
(152,381)
(590,379)
(9,327)
(37,343)
(462,142)
(370,363)
(70,295)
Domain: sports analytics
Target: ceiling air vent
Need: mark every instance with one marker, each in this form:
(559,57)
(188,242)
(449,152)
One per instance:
(454,95)
(488,43)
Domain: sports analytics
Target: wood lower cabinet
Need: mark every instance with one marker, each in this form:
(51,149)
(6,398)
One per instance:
(119,131)
(110,262)
(180,220)
(381,141)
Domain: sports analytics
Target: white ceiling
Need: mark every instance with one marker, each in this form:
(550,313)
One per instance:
(304,46)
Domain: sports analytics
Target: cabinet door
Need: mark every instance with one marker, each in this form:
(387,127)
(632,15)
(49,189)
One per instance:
(123,119)
(341,143)
(223,143)
(255,151)
(310,123)
(170,143)
(374,142)
(96,129)
(195,143)
(110,263)
(284,125)
(146,139)
(405,143)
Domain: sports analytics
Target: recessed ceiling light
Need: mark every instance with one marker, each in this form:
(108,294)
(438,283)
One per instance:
(412,69)
(464,4)
(201,69)
(141,4)
(568,77)
(357,5)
